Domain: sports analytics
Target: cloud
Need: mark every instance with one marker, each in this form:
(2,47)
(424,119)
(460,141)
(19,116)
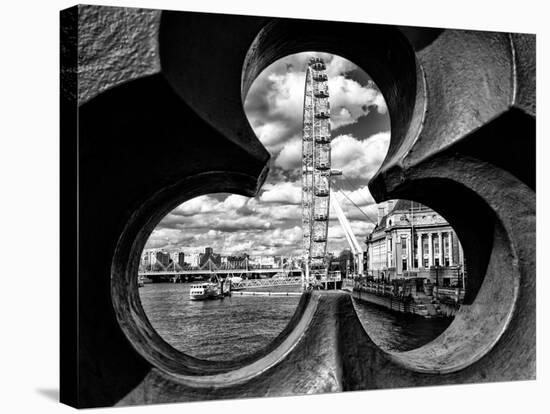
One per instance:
(291,155)
(337,240)
(287,193)
(359,159)
(360,196)
(349,100)
(274,104)
(235,201)
(240,224)
(337,66)
(340,117)
(202,204)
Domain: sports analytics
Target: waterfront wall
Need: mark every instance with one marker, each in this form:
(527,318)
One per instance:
(388,302)
(398,304)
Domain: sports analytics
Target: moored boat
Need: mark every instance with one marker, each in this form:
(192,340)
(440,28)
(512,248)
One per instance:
(205,291)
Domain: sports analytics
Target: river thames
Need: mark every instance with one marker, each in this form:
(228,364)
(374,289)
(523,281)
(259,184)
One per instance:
(240,325)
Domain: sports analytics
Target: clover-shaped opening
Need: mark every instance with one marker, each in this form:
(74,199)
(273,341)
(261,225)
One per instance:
(219,278)
(386,54)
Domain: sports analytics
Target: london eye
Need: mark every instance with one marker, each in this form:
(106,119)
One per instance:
(316,170)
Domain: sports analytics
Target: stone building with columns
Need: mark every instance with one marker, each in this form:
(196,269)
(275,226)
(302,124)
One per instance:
(412,240)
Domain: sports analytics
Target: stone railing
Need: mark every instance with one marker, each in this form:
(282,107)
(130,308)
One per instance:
(462,106)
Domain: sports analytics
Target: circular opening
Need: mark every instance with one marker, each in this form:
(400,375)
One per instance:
(416,279)
(491,278)
(137,326)
(208,273)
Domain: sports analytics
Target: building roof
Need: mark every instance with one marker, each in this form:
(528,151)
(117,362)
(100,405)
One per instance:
(407,205)
(401,205)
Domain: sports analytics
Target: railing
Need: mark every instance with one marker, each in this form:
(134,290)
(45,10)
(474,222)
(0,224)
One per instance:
(378,288)
(451,296)
(259,283)
(454,295)
(216,271)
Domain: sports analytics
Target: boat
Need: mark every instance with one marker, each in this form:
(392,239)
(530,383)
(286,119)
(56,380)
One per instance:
(205,291)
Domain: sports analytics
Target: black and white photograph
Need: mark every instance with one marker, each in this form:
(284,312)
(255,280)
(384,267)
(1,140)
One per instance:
(283,210)
(274,207)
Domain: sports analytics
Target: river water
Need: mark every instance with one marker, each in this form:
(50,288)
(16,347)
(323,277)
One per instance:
(235,326)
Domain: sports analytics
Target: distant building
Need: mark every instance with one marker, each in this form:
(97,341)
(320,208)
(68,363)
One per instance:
(193,259)
(178,257)
(163,258)
(209,258)
(412,240)
(237,262)
(267,262)
(158,259)
(262,262)
(148,259)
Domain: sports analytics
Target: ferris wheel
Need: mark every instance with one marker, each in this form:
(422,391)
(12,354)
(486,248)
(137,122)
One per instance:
(316,169)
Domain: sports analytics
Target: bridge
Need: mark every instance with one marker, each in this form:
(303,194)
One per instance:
(287,277)
(260,283)
(177,272)
(240,271)
(331,277)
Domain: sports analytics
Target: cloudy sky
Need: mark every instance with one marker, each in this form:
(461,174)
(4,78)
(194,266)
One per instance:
(270,224)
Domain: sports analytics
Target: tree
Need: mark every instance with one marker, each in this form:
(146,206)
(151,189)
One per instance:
(346,262)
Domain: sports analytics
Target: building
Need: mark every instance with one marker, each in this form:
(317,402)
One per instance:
(163,258)
(148,259)
(178,257)
(412,240)
(237,262)
(209,258)
(193,259)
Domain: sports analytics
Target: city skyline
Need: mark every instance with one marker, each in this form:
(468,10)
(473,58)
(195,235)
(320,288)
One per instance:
(270,223)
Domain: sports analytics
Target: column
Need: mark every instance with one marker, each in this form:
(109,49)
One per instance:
(388,250)
(394,250)
(440,235)
(410,253)
(419,250)
(450,248)
(398,252)
(430,250)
